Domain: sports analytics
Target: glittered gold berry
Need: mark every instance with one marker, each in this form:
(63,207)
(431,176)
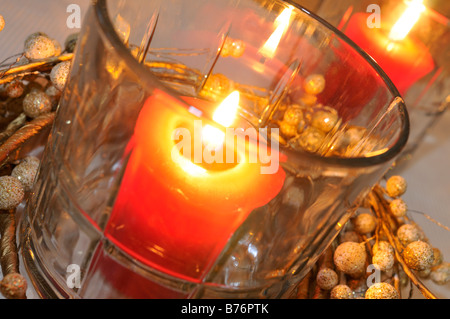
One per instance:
(383,259)
(398,207)
(36,103)
(15,89)
(288,130)
(327,278)
(441,274)
(314,84)
(26,171)
(11,192)
(39,46)
(217,85)
(350,258)
(396,186)
(438,258)
(59,74)
(324,120)
(407,233)
(233,47)
(293,115)
(14,286)
(341,292)
(311,139)
(365,223)
(383,246)
(418,255)
(382,290)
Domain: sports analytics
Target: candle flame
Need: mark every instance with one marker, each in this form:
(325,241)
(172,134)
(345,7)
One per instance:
(225,114)
(407,20)
(282,23)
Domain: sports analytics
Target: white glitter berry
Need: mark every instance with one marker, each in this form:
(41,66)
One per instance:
(327,278)
(418,255)
(39,46)
(314,84)
(350,258)
(382,290)
(396,186)
(11,192)
(26,171)
(36,103)
(341,292)
(383,246)
(365,223)
(398,207)
(441,274)
(59,74)
(384,259)
(407,233)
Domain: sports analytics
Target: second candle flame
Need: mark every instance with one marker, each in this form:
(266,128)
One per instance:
(407,20)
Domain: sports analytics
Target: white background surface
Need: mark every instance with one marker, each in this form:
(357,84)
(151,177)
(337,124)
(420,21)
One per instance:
(427,174)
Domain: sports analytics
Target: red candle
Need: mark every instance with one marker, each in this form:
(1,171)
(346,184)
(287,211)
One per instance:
(173,214)
(404,60)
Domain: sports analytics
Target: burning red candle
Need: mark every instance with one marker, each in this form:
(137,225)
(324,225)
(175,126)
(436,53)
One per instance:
(404,59)
(176,215)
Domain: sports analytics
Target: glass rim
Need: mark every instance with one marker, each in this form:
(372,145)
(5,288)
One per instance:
(106,27)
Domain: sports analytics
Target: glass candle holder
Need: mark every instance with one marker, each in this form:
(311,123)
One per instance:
(411,42)
(207,149)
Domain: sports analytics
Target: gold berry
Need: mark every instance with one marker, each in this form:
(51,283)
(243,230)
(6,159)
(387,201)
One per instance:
(26,171)
(293,115)
(14,286)
(350,258)
(327,278)
(382,290)
(311,139)
(382,245)
(11,192)
(287,129)
(398,207)
(314,84)
(365,223)
(383,259)
(441,274)
(39,46)
(341,292)
(324,120)
(36,103)
(396,186)
(418,255)
(407,233)
(59,74)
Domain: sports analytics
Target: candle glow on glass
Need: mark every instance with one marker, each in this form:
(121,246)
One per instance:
(282,23)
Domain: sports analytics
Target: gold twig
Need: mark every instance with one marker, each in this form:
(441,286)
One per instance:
(381,208)
(9,260)
(32,128)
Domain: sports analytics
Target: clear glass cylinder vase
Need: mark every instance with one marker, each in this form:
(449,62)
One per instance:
(149,188)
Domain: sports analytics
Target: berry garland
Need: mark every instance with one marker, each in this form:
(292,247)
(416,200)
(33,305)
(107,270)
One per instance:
(381,239)
(30,89)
